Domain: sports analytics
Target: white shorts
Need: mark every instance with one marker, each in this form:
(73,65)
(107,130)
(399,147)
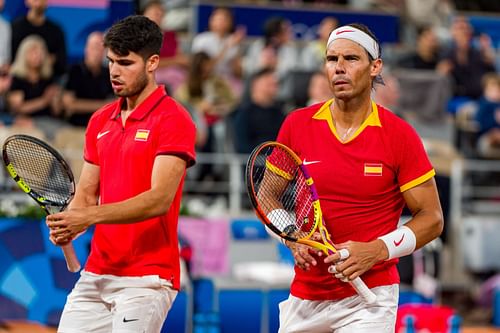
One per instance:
(343,316)
(108,303)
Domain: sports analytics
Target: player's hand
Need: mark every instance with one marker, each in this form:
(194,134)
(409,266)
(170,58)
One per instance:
(354,258)
(68,225)
(305,256)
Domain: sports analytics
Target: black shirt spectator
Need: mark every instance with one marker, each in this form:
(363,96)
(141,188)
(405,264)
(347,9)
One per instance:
(258,117)
(36,23)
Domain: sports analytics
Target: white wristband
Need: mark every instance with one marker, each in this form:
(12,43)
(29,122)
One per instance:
(274,216)
(400,242)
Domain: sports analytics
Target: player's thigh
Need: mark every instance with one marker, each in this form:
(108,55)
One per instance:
(142,309)
(379,317)
(298,315)
(84,310)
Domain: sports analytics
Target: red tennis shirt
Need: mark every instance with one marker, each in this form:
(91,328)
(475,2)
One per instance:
(125,156)
(360,184)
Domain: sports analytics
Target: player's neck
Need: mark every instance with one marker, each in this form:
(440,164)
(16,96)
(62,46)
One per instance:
(352,112)
(349,116)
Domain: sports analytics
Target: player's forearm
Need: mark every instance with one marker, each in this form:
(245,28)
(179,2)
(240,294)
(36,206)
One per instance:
(427,225)
(146,205)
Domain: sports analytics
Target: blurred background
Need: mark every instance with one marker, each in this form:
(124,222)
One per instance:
(239,67)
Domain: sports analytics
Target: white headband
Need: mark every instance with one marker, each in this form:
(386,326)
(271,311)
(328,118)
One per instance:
(356,35)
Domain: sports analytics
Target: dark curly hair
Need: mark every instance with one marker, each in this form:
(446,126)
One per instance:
(136,34)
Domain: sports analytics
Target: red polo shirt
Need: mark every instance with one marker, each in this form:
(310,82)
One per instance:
(359,183)
(125,156)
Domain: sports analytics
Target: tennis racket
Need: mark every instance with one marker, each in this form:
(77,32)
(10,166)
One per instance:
(285,199)
(41,172)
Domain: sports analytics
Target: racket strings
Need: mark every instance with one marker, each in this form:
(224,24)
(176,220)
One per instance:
(282,189)
(40,170)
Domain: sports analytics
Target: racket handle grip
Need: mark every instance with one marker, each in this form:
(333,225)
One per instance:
(72,261)
(363,291)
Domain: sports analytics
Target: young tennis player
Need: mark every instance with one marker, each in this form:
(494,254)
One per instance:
(136,153)
(367,164)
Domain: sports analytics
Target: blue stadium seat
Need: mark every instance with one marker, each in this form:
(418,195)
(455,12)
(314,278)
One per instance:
(284,254)
(410,296)
(179,315)
(240,310)
(274,298)
(496,307)
(248,229)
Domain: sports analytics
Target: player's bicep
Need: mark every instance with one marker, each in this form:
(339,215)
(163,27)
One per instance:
(422,197)
(87,189)
(423,202)
(168,171)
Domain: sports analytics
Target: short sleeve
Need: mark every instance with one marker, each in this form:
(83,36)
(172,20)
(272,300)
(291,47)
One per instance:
(90,148)
(413,164)
(178,136)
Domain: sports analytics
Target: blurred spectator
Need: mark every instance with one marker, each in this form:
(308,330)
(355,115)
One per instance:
(178,17)
(36,23)
(258,118)
(319,88)
(427,53)
(313,55)
(388,94)
(5,78)
(33,92)
(88,86)
(5,81)
(5,40)
(172,70)
(468,64)
(222,42)
(210,99)
(435,14)
(488,118)
(276,50)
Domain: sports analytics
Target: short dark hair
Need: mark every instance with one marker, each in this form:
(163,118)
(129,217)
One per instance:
(135,33)
(272,28)
(366,30)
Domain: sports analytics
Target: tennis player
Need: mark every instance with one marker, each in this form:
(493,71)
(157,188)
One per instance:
(367,164)
(136,153)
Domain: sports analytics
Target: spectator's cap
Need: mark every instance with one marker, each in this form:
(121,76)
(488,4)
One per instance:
(358,36)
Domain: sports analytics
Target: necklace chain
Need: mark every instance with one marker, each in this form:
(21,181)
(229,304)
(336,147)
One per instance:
(347,133)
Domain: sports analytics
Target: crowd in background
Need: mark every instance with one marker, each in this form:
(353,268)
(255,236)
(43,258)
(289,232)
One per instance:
(239,89)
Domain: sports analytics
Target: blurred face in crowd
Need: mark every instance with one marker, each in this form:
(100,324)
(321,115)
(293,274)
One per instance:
(94,49)
(319,88)
(492,89)
(38,6)
(35,56)
(349,69)
(155,13)
(221,21)
(265,89)
(428,41)
(286,33)
(128,73)
(326,27)
(461,31)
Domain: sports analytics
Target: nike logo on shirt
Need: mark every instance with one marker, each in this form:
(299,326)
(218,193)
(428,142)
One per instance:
(101,134)
(310,162)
